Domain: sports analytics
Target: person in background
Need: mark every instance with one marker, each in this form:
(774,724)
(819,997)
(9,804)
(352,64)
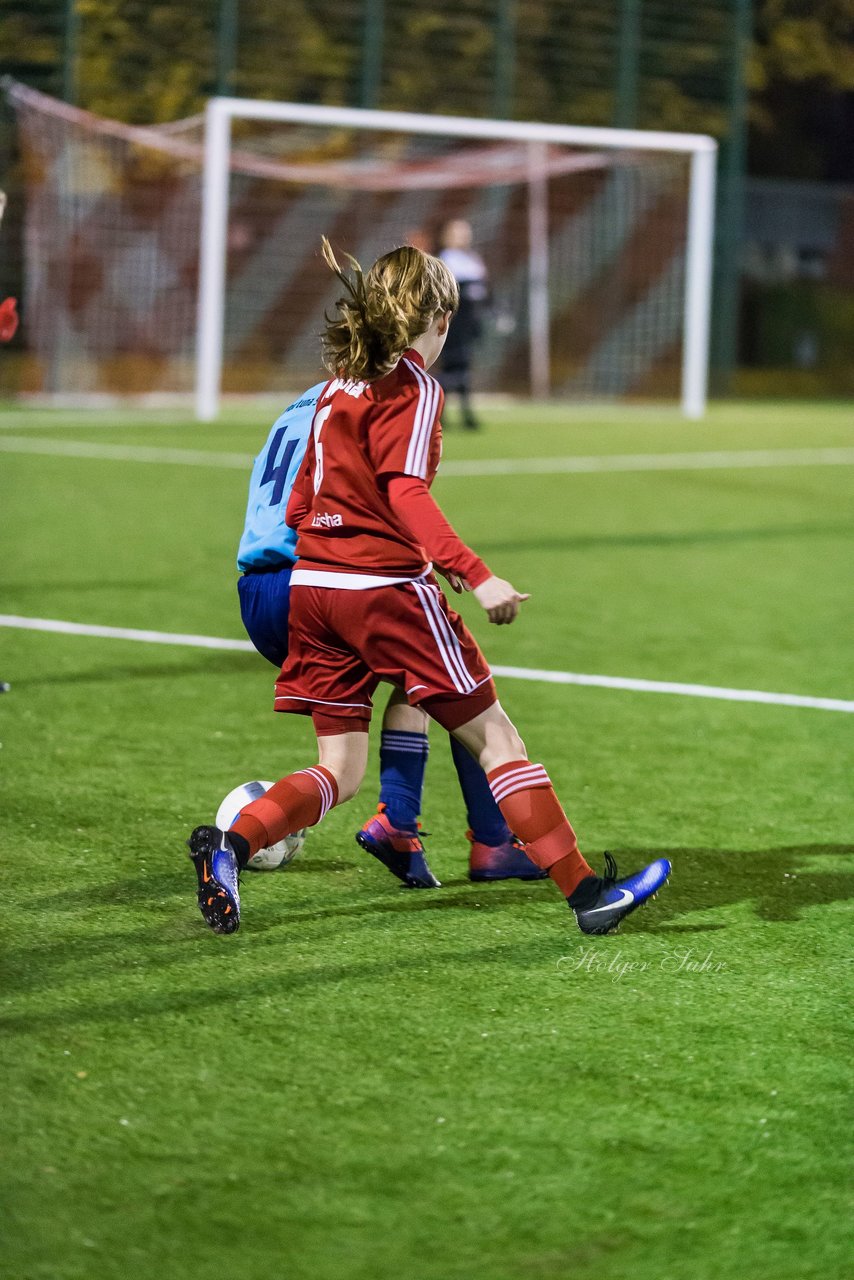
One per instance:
(469,270)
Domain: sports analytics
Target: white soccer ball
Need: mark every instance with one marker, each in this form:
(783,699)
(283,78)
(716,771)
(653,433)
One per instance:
(278,855)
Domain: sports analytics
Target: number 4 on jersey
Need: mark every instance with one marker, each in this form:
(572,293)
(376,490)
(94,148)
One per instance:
(278,471)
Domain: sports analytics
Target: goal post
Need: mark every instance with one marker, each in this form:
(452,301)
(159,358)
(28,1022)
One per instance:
(183,259)
(548,150)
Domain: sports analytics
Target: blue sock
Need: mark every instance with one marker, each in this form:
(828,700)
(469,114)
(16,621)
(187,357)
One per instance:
(403,758)
(484,815)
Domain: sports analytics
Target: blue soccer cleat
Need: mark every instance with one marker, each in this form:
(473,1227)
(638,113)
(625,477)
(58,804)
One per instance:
(611,900)
(401,851)
(217,870)
(507,861)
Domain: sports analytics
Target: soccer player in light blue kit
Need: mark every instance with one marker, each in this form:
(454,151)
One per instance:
(267,550)
(266,557)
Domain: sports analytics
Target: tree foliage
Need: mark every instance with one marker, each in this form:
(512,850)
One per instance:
(801,77)
(156,60)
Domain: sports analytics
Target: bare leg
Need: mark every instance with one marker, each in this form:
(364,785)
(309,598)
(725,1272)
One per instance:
(400,717)
(492,738)
(345,755)
(306,796)
(525,796)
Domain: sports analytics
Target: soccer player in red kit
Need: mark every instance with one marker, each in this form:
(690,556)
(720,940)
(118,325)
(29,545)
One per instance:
(366,605)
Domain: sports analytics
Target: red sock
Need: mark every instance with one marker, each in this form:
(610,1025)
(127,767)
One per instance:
(300,800)
(532,811)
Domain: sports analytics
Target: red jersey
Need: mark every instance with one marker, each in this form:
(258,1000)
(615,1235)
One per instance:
(363,435)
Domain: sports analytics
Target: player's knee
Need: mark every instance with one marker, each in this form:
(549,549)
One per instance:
(348,775)
(504,734)
(345,755)
(504,750)
(348,787)
(503,744)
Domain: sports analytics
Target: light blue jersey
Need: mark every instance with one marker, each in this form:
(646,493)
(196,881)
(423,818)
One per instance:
(267,540)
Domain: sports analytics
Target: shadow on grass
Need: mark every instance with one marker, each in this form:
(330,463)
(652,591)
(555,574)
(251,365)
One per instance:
(774,880)
(225,991)
(149,890)
(778,883)
(211,662)
(175,923)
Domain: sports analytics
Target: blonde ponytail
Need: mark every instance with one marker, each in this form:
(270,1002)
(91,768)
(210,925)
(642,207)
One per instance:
(383,312)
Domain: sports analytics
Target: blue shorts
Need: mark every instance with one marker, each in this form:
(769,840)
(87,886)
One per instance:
(265,599)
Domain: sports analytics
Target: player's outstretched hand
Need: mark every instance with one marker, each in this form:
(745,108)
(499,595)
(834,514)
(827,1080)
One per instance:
(500,600)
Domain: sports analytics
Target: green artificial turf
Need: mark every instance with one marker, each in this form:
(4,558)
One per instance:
(367,1083)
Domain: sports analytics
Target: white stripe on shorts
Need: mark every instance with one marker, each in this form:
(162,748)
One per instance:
(326,702)
(447,642)
(434,597)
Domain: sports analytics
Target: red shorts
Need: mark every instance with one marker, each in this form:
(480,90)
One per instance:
(342,643)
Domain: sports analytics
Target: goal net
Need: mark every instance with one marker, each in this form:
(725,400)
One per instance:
(180,257)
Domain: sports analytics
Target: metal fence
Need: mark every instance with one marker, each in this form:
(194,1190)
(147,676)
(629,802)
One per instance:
(656,64)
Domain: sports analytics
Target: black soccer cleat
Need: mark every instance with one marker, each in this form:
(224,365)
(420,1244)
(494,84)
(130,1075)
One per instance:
(611,900)
(219,884)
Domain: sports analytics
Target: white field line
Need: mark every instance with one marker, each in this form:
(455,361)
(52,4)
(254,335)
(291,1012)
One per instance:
(654,462)
(123,633)
(671,686)
(512,673)
(125,452)
(579,464)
